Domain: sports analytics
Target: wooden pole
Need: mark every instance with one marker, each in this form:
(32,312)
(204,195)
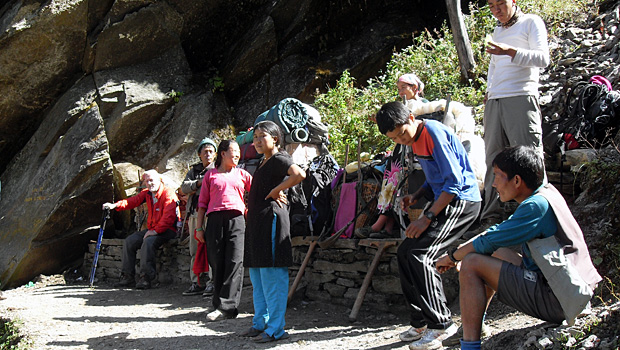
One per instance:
(461,39)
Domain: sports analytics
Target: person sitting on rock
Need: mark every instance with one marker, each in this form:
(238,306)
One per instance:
(452,186)
(191,186)
(161,227)
(519,280)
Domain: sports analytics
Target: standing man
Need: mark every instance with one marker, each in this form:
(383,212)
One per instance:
(452,186)
(161,227)
(512,115)
(191,187)
(519,279)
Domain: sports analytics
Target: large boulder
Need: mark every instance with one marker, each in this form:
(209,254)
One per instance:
(135,101)
(62,173)
(41,49)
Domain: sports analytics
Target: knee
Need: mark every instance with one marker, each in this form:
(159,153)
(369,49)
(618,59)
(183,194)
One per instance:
(471,264)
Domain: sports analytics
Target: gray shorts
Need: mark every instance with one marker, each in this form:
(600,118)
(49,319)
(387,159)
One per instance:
(528,292)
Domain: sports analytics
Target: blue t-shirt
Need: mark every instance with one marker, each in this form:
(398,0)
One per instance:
(445,163)
(534,218)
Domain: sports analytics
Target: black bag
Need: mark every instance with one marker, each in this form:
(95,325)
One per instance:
(310,210)
(592,115)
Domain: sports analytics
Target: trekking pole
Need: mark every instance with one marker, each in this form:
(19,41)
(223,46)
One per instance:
(106,215)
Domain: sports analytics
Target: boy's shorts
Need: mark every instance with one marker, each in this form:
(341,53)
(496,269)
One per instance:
(528,292)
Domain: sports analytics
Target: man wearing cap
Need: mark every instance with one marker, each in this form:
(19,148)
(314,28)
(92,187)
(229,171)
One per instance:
(191,187)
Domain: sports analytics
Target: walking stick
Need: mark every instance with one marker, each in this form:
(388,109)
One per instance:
(105,216)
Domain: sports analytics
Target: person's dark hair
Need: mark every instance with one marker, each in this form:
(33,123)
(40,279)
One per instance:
(222,147)
(523,161)
(391,115)
(272,129)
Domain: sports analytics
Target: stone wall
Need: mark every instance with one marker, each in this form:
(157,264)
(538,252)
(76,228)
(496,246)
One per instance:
(333,275)
(173,262)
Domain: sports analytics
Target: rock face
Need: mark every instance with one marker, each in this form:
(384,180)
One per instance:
(63,173)
(88,84)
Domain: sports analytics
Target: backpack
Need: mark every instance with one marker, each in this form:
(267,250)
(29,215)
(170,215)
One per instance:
(310,201)
(592,116)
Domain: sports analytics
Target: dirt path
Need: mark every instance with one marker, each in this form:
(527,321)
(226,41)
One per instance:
(60,316)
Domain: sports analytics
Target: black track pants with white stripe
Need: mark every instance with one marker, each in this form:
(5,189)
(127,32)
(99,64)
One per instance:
(420,281)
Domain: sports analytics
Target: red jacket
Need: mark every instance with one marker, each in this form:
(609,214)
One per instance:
(162,215)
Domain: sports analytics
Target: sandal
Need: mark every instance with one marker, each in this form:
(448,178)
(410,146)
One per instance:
(363,232)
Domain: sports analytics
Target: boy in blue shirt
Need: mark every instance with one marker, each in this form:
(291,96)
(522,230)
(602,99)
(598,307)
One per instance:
(517,280)
(452,186)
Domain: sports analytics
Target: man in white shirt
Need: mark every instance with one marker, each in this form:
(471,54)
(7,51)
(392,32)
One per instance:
(512,114)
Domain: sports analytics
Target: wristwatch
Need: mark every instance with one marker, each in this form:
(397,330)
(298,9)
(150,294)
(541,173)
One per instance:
(451,255)
(430,215)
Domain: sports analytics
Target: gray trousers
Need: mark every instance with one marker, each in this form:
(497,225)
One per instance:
(509,121)
(148,252)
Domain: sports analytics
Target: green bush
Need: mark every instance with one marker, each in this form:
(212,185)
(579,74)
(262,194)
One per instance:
(10,338)
(433,57)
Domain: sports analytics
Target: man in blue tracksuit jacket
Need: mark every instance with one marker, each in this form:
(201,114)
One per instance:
(452,186)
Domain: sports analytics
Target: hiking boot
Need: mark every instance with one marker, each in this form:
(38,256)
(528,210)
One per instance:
(126,282)
(208,291)
(455,338)
(194,289)
(143,283)
(412,334)
(433,338)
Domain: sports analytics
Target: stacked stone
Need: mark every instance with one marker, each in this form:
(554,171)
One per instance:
(335,275)
(580,51)
(173,262)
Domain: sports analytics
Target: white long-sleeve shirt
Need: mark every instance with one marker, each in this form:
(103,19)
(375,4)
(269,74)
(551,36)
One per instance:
(518,76)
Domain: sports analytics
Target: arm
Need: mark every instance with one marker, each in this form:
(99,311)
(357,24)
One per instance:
(129,203)
(200,233)
(416,228)
(445,263)
(192,182)
(535,55)
(295,176)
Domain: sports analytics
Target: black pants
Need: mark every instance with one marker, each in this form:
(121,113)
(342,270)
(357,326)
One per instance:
(148,252)
(224,236)
(420,281)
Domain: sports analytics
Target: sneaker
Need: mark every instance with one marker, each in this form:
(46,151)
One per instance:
(455,338)
(265,338)
(126,282)
(208,291)
(250,332)
(433,338)
(194,289)
(143,283)
(218,315)
(412,334)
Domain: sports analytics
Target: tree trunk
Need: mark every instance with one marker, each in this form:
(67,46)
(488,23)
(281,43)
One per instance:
(461,39)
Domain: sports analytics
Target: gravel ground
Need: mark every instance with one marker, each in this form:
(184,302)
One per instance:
(57,315)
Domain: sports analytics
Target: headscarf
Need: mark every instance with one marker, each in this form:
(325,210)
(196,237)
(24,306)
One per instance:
(412,79)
